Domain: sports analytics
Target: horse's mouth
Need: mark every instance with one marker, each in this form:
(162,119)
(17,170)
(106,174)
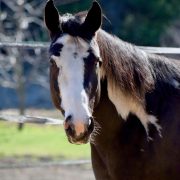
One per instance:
(83,137)
(82,140)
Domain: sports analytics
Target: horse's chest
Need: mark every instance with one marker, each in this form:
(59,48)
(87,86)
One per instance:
(126,104)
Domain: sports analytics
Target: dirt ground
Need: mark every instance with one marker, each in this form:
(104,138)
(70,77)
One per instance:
(60,172)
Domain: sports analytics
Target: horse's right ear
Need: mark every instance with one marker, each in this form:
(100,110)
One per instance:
(93,19)
(52,18)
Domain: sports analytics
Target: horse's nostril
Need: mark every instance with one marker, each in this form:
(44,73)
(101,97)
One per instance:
(91,124)
(67,122)
(68,125)
(69,118)
(70,130)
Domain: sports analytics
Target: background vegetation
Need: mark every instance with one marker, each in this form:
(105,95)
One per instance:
(139,21)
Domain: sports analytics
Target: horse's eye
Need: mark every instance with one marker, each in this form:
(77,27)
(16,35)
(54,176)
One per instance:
(98,62)
(52,62)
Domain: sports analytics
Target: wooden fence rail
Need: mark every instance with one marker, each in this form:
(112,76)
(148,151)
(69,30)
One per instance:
(25,45)
(45,45)
(30,119)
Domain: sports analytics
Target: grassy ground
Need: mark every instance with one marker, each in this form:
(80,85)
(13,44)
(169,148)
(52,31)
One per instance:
(38,141)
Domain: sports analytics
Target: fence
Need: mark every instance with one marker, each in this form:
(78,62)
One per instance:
(51,121)
(30,119)
(33,45)
(157,50)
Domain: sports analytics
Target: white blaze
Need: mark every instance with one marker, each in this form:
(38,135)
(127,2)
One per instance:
(126,104)
(75,101)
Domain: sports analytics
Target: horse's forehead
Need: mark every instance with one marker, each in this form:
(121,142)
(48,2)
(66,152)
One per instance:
(68,49)
(71,43)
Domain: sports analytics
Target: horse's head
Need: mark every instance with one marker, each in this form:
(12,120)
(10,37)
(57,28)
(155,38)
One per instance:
(75,61)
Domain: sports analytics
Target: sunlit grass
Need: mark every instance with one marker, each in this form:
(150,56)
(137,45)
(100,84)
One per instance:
(38,141)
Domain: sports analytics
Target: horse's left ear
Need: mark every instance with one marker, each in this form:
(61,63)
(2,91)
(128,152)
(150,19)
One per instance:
(93,19)
(52,18)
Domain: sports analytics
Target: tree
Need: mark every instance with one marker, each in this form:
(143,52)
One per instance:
(139,21)
(20,21)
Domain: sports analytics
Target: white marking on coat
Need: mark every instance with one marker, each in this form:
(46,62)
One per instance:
(175,83)
(75,101)
(126,104)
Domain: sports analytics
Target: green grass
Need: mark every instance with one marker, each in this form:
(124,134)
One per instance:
(38,141)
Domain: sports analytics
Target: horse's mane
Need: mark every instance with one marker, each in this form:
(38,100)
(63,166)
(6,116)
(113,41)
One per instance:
(132,70)
(126,66)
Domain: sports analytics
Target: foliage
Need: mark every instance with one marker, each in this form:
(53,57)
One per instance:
(75,7)
(140,21)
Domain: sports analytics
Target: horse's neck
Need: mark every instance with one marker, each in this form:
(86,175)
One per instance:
(109,123)
(125,65)
(128,77)
(106,116)
(118,69)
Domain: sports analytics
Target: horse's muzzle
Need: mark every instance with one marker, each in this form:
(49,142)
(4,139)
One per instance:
(77,131)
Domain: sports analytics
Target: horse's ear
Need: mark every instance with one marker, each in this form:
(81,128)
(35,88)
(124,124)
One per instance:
(52,18)
(93,19)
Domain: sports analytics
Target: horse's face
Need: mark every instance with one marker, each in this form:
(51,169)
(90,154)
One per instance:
(75,62)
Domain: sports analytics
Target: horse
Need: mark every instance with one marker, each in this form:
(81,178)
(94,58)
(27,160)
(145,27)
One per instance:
(121,99)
